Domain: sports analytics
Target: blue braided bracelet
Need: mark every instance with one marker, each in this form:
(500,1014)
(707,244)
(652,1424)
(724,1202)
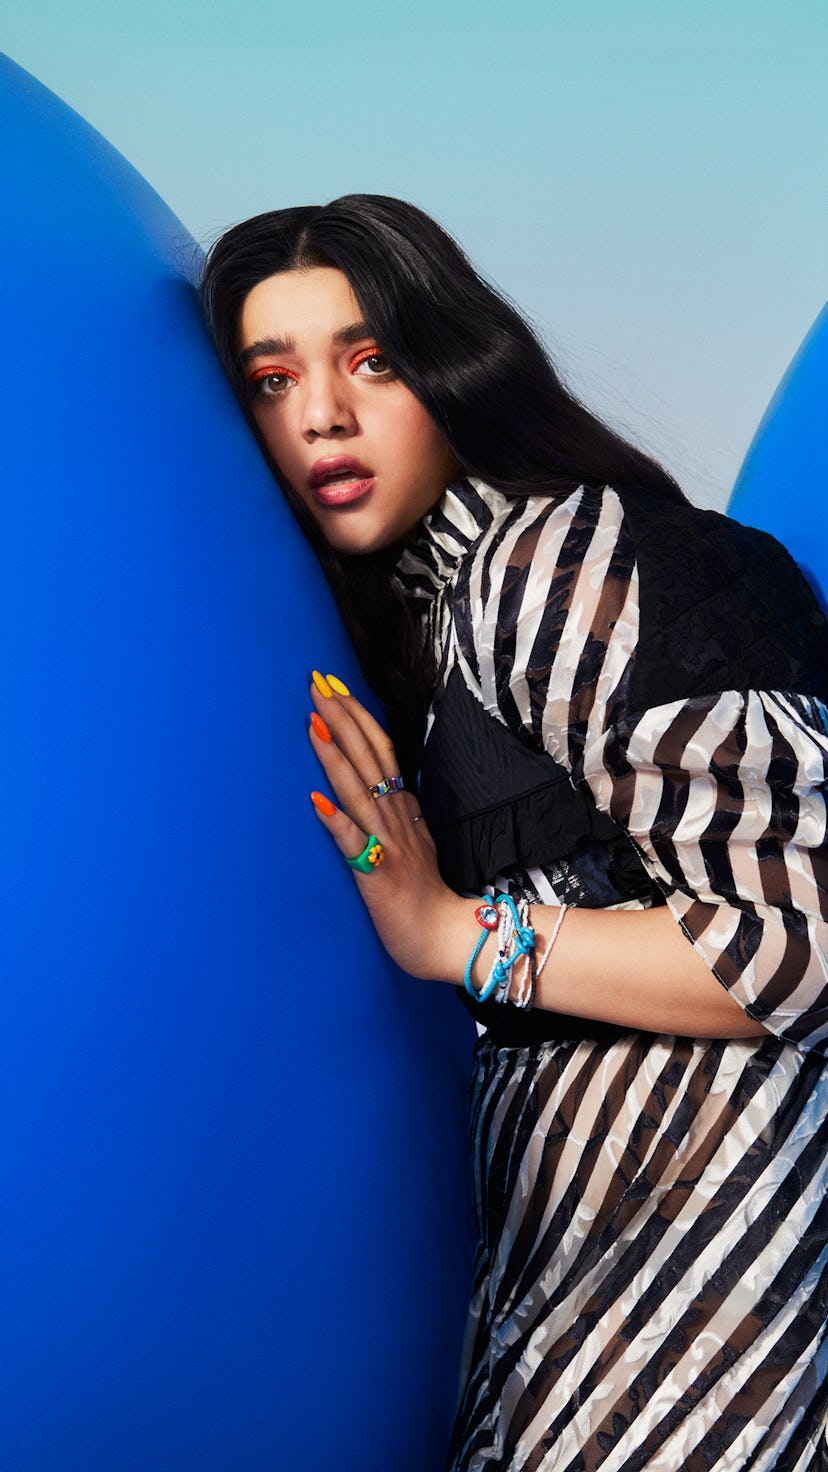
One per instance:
(486,916)
(499,974)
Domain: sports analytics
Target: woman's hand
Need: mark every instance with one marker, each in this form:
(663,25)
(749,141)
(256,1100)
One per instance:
(418,918)
(631,967)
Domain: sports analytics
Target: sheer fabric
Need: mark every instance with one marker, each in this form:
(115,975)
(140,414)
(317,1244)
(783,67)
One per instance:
(652,1284)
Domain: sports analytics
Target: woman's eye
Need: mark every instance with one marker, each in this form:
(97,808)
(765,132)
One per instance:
(267,383)
(371,363)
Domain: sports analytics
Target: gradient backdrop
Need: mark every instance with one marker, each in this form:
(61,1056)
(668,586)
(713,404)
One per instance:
(647,178)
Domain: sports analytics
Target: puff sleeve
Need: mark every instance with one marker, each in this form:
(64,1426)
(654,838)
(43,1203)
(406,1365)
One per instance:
(722,791)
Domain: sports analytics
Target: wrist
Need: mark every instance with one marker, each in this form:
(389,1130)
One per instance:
(508,969)
(455,932)
(510,963)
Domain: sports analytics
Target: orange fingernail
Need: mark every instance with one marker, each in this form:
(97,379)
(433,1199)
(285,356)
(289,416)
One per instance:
(322,685)
(338,686)
(323,804)
(319,727)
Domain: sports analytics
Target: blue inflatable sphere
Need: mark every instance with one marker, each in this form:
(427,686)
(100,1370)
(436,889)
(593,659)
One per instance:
(782,484)
(235,1232)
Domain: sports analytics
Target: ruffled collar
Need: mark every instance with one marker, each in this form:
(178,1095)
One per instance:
(464,512)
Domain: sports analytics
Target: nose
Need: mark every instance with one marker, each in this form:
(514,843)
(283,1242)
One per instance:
(327,411)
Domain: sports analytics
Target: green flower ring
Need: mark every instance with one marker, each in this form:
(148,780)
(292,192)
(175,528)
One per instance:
(371,856)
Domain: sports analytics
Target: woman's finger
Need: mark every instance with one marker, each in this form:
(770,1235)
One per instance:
(374,733)
(348,737)
(391,813)
(355,730)
(359,762)
(348,783)
(332,692)
(347,835)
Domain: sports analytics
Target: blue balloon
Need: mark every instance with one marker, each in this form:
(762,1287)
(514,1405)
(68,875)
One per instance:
(236,1229)
(781,486)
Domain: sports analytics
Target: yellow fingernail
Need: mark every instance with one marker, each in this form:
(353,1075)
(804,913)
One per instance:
(322,685)
(337,685)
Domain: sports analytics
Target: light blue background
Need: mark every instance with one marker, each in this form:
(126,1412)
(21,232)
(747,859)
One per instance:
(647,178)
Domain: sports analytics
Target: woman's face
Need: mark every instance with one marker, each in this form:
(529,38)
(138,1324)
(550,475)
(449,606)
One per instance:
(356,446)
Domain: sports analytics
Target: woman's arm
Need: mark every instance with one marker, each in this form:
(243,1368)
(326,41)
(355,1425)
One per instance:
(633,968)
(638,655)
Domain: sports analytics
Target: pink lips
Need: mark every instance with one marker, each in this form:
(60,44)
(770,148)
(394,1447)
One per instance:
(336,480)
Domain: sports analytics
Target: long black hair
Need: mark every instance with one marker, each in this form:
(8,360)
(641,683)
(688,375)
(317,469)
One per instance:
(463,350)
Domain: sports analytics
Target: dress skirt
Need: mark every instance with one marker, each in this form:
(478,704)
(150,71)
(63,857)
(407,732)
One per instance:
(651,1288)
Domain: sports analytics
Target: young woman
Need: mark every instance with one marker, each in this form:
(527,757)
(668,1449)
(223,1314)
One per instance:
(626,732)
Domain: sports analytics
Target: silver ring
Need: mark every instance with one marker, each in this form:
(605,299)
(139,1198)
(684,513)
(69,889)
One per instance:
(417,819)
(388,784)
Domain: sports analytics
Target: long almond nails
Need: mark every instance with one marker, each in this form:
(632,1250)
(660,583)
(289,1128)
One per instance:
(338,686)
(319,727)
(322,685)
(323,804)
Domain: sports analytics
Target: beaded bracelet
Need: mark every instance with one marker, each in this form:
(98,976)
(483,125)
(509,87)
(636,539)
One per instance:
(513,918)
(505,947)
(517,938)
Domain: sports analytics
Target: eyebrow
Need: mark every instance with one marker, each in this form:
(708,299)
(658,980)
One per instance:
(275,347)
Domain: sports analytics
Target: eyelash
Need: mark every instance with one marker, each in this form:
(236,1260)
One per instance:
(257,380)
(260,376)
(364,355)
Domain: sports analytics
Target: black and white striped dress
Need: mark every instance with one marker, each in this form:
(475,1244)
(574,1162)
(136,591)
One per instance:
(652,1280)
